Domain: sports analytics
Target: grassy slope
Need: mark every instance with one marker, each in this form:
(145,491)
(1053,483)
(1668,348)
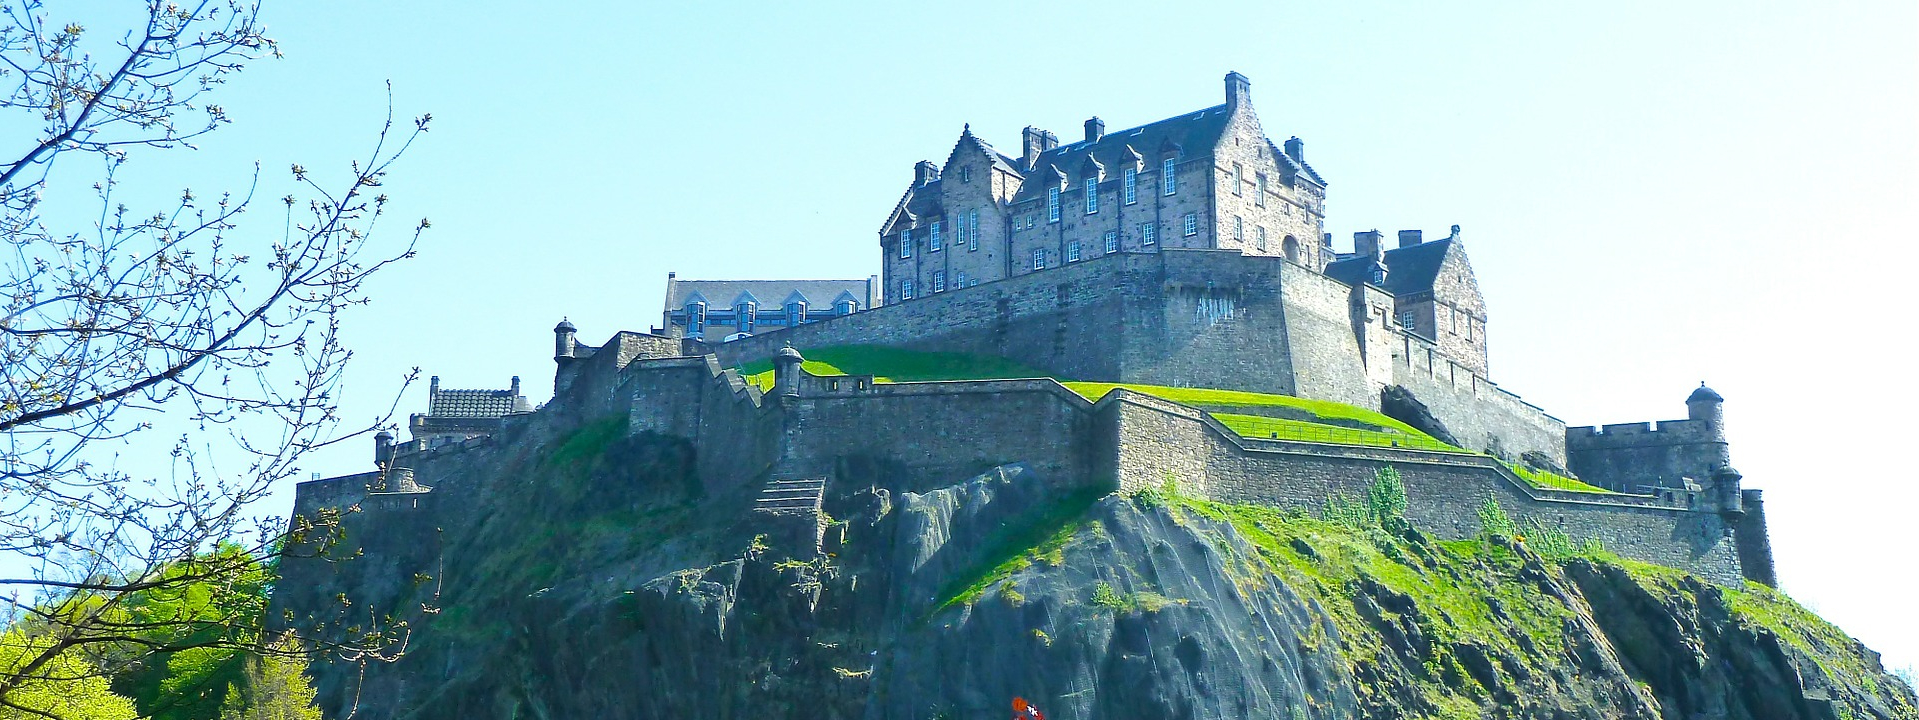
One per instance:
(890,364)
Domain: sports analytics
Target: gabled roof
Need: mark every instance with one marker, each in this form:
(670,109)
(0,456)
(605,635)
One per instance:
(1289,165)
(1413,269)
(968,139)
(817,293)
(475,403)
(1193,133)
(920,201)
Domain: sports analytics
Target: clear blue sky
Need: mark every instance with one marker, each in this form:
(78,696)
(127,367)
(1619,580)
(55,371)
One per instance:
(1653,194)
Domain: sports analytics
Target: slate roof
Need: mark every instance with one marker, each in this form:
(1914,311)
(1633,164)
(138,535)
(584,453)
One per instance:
(1408,270)
(1413,269)
(1195,133)
(475,403)
(721,293)
(999,161)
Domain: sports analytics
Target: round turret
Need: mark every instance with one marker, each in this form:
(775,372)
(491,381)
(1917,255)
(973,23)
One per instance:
(786,371)
(1704,404)
(563,339)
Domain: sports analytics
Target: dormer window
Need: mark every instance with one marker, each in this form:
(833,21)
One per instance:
(695,318)
(933,237)
(1092,195)
(796,313)
(1052,204)
(743,316)
(906,243)
(1168,179)
(1129,186)
(846,307)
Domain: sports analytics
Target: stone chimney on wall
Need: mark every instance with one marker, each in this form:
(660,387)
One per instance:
(925,172)
(1239,90)
(1409,238)
(1366,243)
(1034,141)
(1296,149)
(1095,129)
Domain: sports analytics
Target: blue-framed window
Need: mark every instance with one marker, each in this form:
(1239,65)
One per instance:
(1052,204)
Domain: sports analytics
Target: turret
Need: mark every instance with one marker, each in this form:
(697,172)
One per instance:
(563,339)
(1704,404)
(1726,495)
(382,449)
(786,372)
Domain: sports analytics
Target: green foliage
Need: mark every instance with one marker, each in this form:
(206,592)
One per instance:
(1105,596)
(274,687)
(890,364)
(1384,507)
(1203,397)
(1550,542)
(212,616)
(1493,520)
(68,686)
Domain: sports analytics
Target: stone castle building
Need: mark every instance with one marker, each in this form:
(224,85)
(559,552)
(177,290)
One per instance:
(1180,253)
(1208,179)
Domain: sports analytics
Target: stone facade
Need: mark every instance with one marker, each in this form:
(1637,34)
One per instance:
(985,216)
(728,308)
(930,434)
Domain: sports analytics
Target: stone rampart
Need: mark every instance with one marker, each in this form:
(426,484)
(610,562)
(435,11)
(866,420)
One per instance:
(1483,416)
(1156,441)
(1642,457)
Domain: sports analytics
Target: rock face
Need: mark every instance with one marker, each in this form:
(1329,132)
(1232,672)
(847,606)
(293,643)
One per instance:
(1399,404)
(605,585)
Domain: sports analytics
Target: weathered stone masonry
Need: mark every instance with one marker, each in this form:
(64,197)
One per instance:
(930,434)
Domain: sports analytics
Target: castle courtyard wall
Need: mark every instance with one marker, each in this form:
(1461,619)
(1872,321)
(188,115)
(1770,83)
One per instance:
(1480,414)
(1631,457)
(1156,441)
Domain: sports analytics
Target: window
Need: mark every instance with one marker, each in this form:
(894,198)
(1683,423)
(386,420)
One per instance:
(1072,251)
(846,307)
(1039,259)
(1406,319)
(1092,195)
(966,174)
(959,281)
(972,230)
(1052,204)
(1192,224)
(1259,235)
(906,289)
(959,227)
(906,243)
(933,237)
(1469,328)
(1239,228)
(1239,178)
(1260,199)
(1168,180)
(939,281)
(1453,320)
(1148,233)
(743,316)
(1112,241)
(1129,186)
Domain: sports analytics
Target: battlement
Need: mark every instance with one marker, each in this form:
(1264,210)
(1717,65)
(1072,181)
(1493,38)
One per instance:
(1668,456)
(1639,433)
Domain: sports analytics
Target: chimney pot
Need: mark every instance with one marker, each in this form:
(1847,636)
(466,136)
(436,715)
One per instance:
(1095,129)
(1409,238)
(925,172)
(1296,149)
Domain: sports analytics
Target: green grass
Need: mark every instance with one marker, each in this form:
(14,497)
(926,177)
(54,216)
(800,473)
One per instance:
(889,364)
(1555,481)
(1038,537)
(1256,426)
(1201,397)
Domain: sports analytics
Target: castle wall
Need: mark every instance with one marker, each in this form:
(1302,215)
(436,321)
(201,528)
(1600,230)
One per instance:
(1480,414)
(735,438)
(1635,456)
(1156,440)
(931,434)
(1187,318)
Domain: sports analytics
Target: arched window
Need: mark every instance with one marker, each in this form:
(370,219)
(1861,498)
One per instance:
(1291,246)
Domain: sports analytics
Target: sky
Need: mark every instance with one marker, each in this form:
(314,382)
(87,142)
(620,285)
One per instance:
(1652,194)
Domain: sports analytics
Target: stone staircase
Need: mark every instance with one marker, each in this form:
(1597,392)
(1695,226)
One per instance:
(792,510)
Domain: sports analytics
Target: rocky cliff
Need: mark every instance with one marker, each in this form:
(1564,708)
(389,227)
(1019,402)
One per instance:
(587,575)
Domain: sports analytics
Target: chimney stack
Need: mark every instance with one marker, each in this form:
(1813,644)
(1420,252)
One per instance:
(1095,129)
(1239,90)
(1366,243)
(1033,142)
(1296,149)
(925,172)
(1409,238)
